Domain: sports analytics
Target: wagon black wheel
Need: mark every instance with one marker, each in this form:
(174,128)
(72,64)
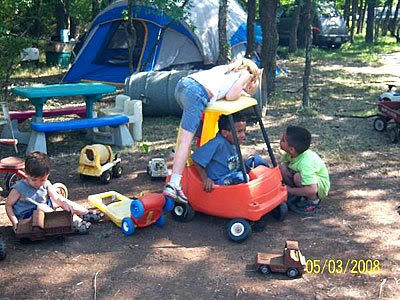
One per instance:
(106,177)
(280,212)
(264,269)
(11,179)
(3,251)
(394,134)
(380,124)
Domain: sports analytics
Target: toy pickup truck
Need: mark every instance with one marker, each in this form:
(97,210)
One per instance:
(292,262)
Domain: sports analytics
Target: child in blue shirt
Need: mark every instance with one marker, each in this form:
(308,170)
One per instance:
(38,188)
(217,161)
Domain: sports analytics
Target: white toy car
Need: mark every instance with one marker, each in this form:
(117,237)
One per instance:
(157,168)
(390,95)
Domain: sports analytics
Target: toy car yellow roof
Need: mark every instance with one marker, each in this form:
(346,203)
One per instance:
(229,107)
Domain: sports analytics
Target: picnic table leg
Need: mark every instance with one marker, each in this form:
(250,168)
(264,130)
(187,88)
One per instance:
(37,142)
(38,103)
(90,100)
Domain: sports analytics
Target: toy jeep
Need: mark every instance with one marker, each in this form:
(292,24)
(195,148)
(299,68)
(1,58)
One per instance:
(390,94)
(157,168)
(42,225)
(99,161)
(292,262)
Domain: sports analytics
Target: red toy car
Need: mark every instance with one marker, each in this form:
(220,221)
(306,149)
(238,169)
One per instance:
(244,203)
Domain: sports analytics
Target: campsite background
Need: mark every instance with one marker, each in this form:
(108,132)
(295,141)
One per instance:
(358,221)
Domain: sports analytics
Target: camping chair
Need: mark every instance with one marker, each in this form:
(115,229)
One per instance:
(5,120)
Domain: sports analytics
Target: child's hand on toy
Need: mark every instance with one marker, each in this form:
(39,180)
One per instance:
(208,185)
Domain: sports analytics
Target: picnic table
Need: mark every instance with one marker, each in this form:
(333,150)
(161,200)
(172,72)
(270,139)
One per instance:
(39,94)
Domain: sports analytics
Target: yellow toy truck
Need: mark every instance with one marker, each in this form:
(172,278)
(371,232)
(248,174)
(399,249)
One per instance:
(98,160)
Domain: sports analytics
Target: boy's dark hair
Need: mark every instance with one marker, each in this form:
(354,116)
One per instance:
(298,137)
(37,164)
(223,121)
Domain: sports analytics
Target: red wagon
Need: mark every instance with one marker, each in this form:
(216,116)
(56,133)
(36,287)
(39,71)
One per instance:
(388,110)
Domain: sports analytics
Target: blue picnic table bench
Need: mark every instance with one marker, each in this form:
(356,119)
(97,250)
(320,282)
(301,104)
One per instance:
(92,92)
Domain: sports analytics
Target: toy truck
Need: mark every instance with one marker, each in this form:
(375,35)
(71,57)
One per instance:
(157,168)
(99,161)
(45,224)
(291,262)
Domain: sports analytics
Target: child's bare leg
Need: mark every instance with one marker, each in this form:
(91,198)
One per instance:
(182,151)
(297,183)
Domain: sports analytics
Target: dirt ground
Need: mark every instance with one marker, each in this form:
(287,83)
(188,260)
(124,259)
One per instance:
(359,221)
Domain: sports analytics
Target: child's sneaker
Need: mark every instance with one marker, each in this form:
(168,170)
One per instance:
(306,206)
(175,193)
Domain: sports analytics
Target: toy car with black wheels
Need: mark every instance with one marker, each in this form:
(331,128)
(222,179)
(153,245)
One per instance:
(99,161)
(157,168)
(390,94)
(291,262)
(245,204)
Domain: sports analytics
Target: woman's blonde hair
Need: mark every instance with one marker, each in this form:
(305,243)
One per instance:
(251,67)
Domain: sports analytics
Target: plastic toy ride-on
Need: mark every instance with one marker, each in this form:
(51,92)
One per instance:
(99,161)
(291,262)
(157,168)
(246,203)
(390,94)
(132,213)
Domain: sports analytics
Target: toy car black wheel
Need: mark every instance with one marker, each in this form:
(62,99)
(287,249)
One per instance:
(238,230)
(3,251)
(127,226)
(137,209)
(394,134)
(260,225)
(117,170)
(292,273)
(264,269)
(386,99)
(61,189)
(280,212)
(106,177)
(380,124)
(182,212)
(83,177)
(161,221)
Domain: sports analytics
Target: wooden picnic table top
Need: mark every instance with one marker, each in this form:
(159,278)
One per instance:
(63,90)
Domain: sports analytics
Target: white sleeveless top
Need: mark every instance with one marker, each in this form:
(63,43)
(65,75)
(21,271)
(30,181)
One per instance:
(217,80)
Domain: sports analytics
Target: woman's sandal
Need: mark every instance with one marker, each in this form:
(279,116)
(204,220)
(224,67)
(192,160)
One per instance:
(81,227)
(93,216)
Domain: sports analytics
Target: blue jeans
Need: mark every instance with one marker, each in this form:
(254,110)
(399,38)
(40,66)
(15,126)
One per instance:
(236,177)
(193,99)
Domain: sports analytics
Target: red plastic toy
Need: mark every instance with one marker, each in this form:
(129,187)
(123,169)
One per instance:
(388,110)
(245,204)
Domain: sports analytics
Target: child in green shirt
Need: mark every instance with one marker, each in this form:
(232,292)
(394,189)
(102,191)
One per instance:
(303,171)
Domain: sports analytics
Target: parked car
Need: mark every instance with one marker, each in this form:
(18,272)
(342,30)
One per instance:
(329,28)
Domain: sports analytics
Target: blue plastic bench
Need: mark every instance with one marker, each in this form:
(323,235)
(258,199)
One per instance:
(119,134)
(77,124)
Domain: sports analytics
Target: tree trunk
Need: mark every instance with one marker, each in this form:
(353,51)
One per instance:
(385,25)
(369,36)
(293,28)
(63,15)
(267,11)
(392,23)
(95,8)
(307,67)
(223,40)
(251,16)
(361,15)
(346,12)
(354,8)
